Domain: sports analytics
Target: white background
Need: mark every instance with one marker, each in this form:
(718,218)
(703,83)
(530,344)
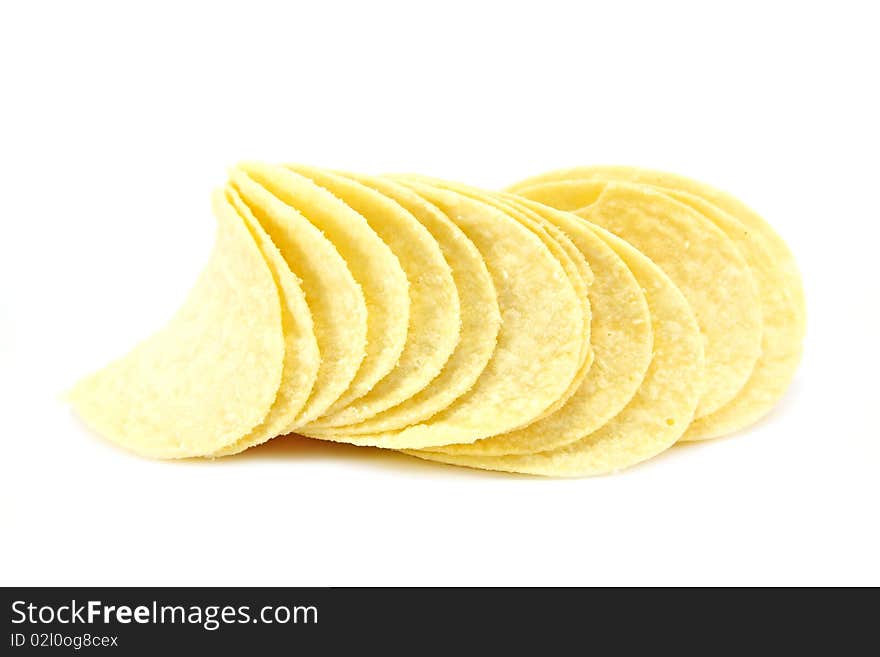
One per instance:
(116,123)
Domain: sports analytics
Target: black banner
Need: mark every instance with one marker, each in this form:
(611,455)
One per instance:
(285,620)
(127,620)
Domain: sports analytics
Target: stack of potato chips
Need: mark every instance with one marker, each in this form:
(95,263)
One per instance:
(579,323)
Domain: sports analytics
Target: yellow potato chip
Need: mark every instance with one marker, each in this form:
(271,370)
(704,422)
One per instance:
(480,317)
(781,343)
(781,335)
(301,358)
(572,261)
(372,263)
(540,339)
(211,375)
(658,413)
(622,346)
(336,302)
(697,256)
(434,317)
(777,277)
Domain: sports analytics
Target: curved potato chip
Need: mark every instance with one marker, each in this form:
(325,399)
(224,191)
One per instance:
(697,256)
(211,374)
(656,416)
(434,316)
(301,358)
(777,277)
(336,302)
(540,339)
(571,259)
(780,342)
(372,263)
(480,317)
(622,346)
(777,362)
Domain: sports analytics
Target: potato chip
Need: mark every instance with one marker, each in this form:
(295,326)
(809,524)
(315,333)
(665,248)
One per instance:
(370,260)
(656,416)
(572,261)
(700,259)
(480,317)
(622,346)
(775,272)
(540,339)
(434,317)
(301,358)
(778,360)
(336,302)
(211,375)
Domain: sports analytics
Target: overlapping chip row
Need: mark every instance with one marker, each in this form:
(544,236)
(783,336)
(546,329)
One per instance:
(579,323)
